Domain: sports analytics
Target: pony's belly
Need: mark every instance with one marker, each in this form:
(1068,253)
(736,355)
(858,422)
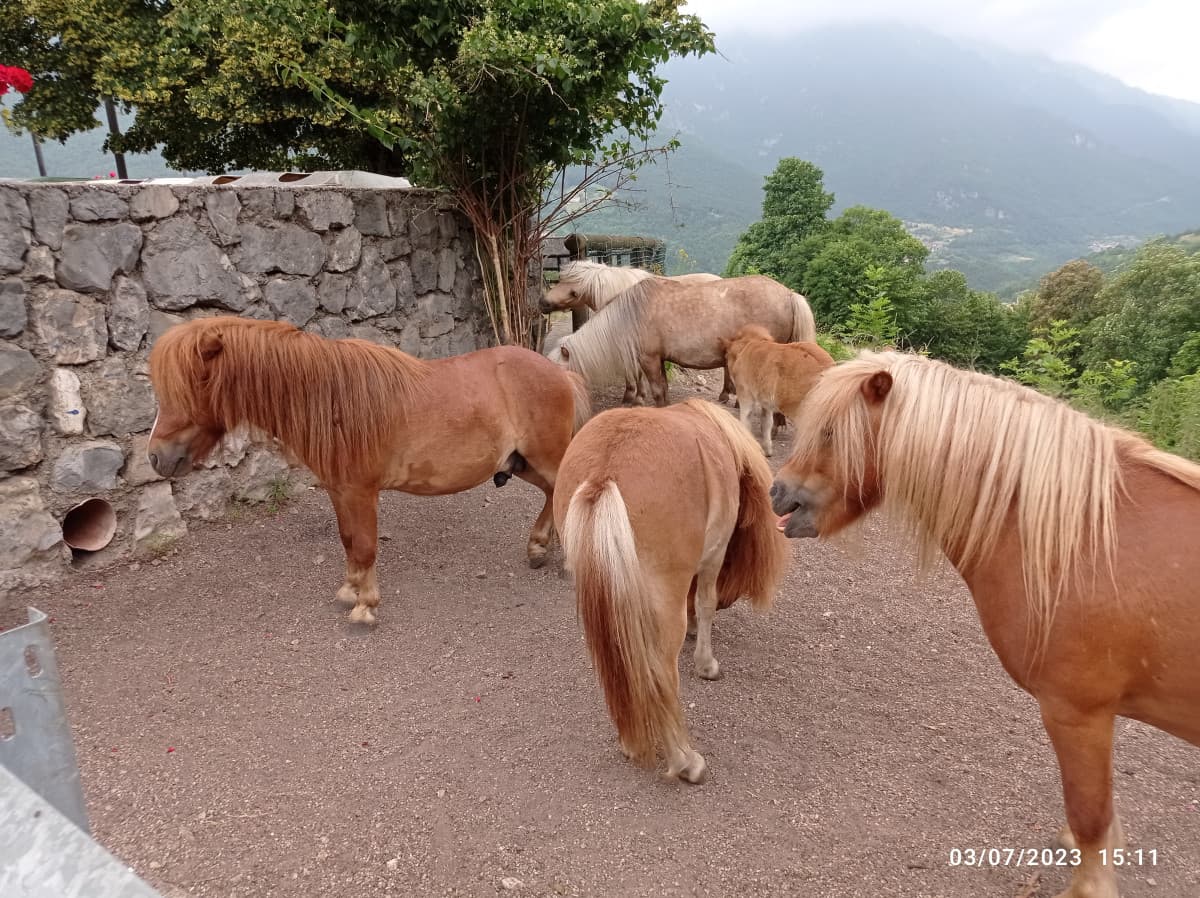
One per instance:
(428,477)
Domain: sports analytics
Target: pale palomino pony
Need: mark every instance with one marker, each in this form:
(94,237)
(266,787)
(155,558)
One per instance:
(365,418)
(1077,540)
(593,285)
(658,320)
(665,518)
(772,378)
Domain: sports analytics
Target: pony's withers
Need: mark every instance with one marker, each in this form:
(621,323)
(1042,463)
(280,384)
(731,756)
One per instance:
(665,518)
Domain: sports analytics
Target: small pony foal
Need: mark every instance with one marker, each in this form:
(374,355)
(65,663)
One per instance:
(771,377)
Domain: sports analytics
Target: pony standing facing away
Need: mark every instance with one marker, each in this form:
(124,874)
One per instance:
(771,377)
(659,320)
(365,418)
(592,285)
(665,518)
(1077,541)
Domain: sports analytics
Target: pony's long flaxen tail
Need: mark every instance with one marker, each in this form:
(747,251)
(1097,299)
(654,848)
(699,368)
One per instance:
(804,326)
(757,553)
(616,603)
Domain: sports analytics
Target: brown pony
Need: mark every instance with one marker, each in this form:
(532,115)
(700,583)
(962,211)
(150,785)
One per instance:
(665,518)
(592,285)
(1077,541)
(659,320)
(772,377)
(365,418)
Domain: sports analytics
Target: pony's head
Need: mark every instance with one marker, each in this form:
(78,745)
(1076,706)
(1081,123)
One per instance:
(588,284)
(748,334)
(187,426)
(832,478)
(568,293)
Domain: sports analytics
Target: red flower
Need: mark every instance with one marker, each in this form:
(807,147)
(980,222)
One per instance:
(16,79)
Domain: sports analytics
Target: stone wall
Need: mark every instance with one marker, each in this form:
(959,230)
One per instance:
(91,274)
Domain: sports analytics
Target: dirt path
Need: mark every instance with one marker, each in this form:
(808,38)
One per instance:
(239,738)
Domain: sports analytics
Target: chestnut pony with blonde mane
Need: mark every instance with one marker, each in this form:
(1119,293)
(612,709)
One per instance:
(660,320)
(585,284)
(772,378)
(1077,541)
(365,418)
(665,518)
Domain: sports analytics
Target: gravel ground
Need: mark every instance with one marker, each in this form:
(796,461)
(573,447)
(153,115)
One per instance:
(238,737)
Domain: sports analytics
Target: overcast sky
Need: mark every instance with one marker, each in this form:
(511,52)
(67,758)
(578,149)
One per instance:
(1151,44)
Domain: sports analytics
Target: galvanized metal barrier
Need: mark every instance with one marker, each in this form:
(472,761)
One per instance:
(45,849)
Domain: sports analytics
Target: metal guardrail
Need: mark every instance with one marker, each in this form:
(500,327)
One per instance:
(45,849)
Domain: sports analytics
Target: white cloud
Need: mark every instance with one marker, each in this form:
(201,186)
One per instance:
(1147,43)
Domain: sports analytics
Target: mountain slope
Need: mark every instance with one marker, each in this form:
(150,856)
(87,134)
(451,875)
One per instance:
(1038,162)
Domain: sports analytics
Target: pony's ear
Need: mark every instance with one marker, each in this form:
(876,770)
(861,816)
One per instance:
(210,345)
(877,386)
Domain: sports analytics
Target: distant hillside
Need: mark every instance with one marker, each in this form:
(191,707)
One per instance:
(697,201)
(1022,162)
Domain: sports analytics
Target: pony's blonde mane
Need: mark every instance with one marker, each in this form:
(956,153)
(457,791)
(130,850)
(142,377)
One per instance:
(606,348)
(334,403)
(601,283)
(957,451)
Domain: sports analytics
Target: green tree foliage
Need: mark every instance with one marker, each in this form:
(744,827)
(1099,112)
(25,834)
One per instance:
(831,267)
(794,208)
(1069,294)
(1153,310)
(1171,415)
(966,327)
(1045,365)
(872,320)
(489,98)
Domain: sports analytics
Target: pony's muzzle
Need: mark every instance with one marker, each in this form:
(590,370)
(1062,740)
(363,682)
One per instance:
(545,308)
(794,505)
(168,461)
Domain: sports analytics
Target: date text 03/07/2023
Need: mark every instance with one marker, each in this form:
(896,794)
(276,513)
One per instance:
(1048,857)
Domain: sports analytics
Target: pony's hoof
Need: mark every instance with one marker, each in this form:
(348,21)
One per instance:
(347,595)
(710,671)
(362,615)
(768,451)
(537,558)
(696,772)
(723,398)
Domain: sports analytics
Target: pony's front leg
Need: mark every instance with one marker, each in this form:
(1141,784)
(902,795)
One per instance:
(727,388)
(707,666)
(746,411)
(632,389)
(656,377)
(1083,744)
(768,431)
(357,516)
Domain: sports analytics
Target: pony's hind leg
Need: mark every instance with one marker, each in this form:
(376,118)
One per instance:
(1083,744)
(357,517)
(683,762)
(707,666)
(543,527)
